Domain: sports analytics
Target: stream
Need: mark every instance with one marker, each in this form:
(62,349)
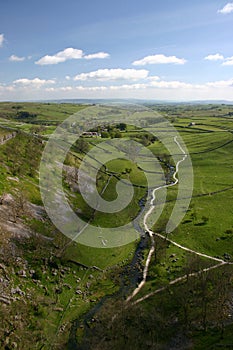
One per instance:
(130,277)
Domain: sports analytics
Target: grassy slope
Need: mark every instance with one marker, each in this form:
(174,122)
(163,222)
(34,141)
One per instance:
(43,111)
(212,160)
(213,172)
(212,164)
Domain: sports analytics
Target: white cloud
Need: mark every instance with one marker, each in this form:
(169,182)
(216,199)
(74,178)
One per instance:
(92,88)
(61,56)
(68,77)
(159,59)
(10,88)
(228,8)
(36,82)
(159,86)
(128,87)
(228,61)
(50,89)
(215,57)
(149,88)
(113,74)
(149,85)
(220,83)
(1,39)
(153,78)
(69,54)
(100,55)
(50,60)
(170,84)
(14,58)
(66,88)
(179,86)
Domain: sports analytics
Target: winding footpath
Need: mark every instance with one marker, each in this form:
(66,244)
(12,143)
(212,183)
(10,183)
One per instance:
(152,249)
(219,262)
(179,279)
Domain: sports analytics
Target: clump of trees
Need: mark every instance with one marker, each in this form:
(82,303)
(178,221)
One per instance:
(24,115)
(113,133)
(145,139)
(82,146)
(121,126)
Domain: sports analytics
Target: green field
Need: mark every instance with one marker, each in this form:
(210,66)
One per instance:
(53,302)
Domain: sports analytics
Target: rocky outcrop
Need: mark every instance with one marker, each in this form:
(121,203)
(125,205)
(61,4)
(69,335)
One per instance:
(7,137)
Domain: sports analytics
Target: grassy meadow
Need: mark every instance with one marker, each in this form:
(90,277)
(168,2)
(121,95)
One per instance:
(70,277)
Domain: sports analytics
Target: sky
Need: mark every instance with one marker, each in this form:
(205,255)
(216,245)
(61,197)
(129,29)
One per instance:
(161,50)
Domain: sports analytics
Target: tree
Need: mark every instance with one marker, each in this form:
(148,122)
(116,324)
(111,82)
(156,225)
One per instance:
(117,135)
(82,145)
(104,135)
(25,115)
(121,126)
(131,327)
(19,205)
(222,295)
(184,301)
(204,219)
(160,248)
(204,297)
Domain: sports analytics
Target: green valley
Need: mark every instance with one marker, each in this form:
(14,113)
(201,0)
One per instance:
(161,290)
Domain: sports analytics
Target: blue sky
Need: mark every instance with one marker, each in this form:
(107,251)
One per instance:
(169,50)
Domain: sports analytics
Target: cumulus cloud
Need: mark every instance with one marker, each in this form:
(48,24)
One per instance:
(69,54)
(228,8)
(148,89)
(215,57)
(92,88)
(100,55)
(147,86)
(159,59)
(1,39)
(137,86)
(14,58)
(153,77)
(36,82)
(220,83)
(50,89)
(128,87)
(170,84)
(113,74)
(228,61)
(66,88)
(61,56)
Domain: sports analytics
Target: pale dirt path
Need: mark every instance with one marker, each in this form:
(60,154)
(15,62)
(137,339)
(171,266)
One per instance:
(8,138)
(179,279)
(151,233)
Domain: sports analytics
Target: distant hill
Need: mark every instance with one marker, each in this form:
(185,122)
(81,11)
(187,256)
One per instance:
(136,101)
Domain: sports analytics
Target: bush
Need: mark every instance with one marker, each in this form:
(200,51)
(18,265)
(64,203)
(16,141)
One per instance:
(104,134)
(82,145)
(25,115)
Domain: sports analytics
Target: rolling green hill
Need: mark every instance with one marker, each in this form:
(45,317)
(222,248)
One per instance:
(61,294)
